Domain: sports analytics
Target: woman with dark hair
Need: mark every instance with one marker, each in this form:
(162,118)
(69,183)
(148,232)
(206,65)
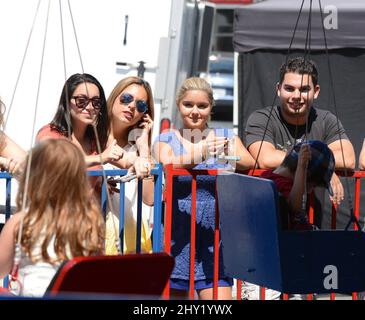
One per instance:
(82,104)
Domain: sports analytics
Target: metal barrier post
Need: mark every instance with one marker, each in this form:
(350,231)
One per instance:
(157,207)
(168,220)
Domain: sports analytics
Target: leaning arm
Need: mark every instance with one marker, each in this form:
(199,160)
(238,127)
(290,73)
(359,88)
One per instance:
(12,157)
(148,191)
(124,163)
(269,157)
(7,244)
(295,198)
(345,155)
(163,153)
(362,157)
(246,161)
(11,149)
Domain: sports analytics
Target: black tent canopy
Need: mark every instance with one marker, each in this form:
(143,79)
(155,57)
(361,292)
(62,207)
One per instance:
(262,34)
(270,25)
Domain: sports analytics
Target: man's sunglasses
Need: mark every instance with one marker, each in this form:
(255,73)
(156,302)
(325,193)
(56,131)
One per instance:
(141,105)
(83,101)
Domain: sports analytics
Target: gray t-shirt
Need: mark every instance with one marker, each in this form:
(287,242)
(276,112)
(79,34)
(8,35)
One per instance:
(322,125)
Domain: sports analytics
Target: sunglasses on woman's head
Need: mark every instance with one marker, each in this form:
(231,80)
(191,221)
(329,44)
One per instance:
(83,101)
(127,98)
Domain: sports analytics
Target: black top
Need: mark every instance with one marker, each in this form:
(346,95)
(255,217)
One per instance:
(322,125)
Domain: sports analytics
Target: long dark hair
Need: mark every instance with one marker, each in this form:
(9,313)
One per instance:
(62,119)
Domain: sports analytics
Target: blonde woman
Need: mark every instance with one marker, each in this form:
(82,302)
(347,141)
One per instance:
(131,111)
(61,221)
(195,145)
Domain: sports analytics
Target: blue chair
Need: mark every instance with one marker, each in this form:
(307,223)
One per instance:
(257,250)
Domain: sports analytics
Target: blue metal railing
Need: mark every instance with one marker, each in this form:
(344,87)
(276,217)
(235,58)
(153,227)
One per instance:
(157,172)
(7,177)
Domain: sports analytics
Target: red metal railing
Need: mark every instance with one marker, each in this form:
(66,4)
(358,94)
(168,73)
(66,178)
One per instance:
(173,172)
(170,173)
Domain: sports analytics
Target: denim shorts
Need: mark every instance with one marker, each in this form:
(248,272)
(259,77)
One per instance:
(179,284)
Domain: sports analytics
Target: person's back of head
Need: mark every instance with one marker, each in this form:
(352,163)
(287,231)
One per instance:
(59,202)
(321,164)
(301,66)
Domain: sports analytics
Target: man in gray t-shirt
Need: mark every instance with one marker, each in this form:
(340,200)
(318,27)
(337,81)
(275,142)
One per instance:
(296,120)
(283,135)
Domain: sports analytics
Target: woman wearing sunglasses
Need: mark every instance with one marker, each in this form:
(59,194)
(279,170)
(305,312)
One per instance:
(82,104)
(131,112)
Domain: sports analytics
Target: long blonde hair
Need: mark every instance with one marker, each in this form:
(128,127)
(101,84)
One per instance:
(59,204)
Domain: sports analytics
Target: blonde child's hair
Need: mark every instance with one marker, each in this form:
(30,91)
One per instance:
(59,203)
(195,83)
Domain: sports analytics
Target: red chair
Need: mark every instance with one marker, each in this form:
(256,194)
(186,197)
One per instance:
(4,291)
(132,274)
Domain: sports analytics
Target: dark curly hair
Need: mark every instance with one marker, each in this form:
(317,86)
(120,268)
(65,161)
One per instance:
(301,66)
